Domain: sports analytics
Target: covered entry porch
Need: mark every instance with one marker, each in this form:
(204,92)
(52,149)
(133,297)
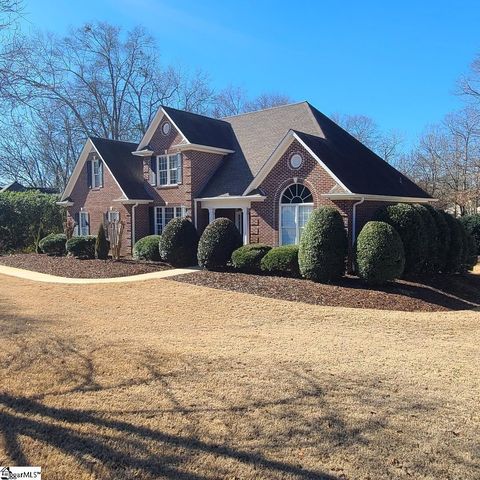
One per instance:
(236,209)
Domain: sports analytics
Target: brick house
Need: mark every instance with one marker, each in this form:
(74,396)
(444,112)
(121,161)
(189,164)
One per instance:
(264,170)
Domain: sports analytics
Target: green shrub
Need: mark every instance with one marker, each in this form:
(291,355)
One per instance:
(102,245)
(471,257)
(443,238)
(179,242)
(147,248)
(380,256)
(431,233)
(454,261)
(24,215)
(217,243)
(323,246)
(53,244)
(472,225)
(82,247)
(281,261)
(247,258)
(408,223)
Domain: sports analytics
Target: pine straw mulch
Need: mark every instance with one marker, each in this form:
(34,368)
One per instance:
(425,293)
(73,268)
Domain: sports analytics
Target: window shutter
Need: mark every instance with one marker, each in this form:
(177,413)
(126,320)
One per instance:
(100,166)
(89,173)
(88,223)
(153,171)
(76,218)
(151,218)
(179,168)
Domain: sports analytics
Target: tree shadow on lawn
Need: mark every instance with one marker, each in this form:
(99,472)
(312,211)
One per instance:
(307,418)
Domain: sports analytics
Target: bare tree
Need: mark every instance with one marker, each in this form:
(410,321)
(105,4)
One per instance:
(385,144)
(10,10)
(234,100)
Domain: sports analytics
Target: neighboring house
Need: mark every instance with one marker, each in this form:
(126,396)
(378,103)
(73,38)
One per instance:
(18,187)
(264,170)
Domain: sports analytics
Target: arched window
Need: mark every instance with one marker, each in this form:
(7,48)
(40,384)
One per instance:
(296,205)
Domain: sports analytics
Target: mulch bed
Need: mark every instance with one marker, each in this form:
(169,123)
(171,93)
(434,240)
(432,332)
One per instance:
(73,268)
(429,294)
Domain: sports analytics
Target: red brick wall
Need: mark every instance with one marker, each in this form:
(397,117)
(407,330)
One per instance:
(97,201)
(198,167)
(264,216)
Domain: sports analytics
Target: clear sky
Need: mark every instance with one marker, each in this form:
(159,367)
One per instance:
(394,61)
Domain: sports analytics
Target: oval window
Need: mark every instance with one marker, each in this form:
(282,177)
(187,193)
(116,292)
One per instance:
(296,160)
(166,128)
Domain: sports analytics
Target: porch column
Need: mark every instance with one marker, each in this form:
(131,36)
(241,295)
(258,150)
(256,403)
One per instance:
(211,215)
(246,226)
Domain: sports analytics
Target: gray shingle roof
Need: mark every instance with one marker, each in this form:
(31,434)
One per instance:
(125,167)
(259,133)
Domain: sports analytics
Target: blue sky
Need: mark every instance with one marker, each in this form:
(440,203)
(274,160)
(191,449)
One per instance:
(394,61)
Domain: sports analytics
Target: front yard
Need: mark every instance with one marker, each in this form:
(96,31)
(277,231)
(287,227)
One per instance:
(161,379)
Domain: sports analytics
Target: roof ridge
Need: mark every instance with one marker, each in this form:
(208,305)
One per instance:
(92,137)
(196,114)
(265,109)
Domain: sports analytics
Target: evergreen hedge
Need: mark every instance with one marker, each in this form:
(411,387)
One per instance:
(247,258)
(147,248)
(82,247)
(281,261)
(380,256)
(25,217)
(179,242)
(53,244)
(432,245)
(408,223)
(323,247)
(472,225)
(454,261)
(443,238)
(217,243)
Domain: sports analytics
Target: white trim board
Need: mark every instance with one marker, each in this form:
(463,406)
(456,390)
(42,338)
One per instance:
(377,198)
(87,149)
(277,154)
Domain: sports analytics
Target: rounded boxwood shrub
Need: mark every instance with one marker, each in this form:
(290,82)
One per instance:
(53,244)
(443,238)
(147,248)
(380,256)
(431,233)
(471,257)
(281,261)
(454,259)
(247,258)
(217,243)
(179,242)
(323,246)
(82,246)
(472,225)
(408,223)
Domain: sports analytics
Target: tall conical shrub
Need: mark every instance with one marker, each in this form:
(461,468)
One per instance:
(102,246)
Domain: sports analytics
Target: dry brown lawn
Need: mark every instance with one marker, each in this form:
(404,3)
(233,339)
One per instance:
(167,380)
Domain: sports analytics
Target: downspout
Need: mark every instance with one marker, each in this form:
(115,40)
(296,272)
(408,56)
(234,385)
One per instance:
(135,205)
(354,227)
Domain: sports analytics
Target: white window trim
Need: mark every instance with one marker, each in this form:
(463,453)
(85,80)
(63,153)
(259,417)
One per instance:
(179,168)
(155,210)
(110,214)
(96,161)
(80,231)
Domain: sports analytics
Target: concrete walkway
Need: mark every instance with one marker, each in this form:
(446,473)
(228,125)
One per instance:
(46,278)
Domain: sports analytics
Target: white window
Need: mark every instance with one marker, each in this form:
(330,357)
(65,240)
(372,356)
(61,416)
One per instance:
(296,205)
(83,224)
(166,128)
(113,216)
(296,160)
(169,168)
(164,214)
(97,173)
